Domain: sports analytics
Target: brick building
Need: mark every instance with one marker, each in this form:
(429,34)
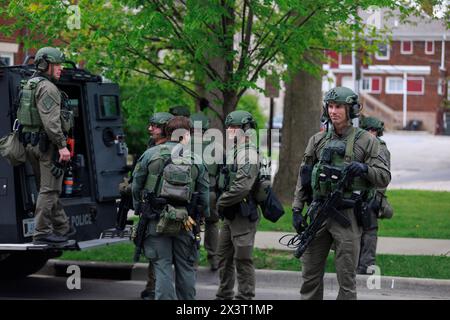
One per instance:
(418,56)
(11,52)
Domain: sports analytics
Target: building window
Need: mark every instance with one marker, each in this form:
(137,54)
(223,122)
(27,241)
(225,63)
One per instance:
(406,47)
(383,52)
(371,84)
(415,85)
(394,85)
(440,87)
(7,58)
(429,47)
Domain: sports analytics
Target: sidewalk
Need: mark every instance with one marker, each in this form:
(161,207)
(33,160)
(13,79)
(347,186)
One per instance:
(385,245)
(270,284)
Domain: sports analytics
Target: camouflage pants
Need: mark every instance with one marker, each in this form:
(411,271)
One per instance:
(347,242)
(49,215)
(235,251)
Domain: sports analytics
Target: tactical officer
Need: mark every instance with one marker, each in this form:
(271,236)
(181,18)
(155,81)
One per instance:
(171,182)
(378,206)
(46,120)
(324,160)
(237,206)
(157,125)
(211,223)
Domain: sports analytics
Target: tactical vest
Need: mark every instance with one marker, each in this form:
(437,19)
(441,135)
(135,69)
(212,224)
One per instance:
(228,171)
(28,114)
(334,157)
(66,114)
(176,179)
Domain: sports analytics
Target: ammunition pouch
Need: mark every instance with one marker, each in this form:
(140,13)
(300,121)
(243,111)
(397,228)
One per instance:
(386,210)
(248,208)
(171,220)
(30,138)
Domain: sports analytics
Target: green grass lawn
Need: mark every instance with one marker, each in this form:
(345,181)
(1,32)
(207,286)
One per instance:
(417,214)
(435,267)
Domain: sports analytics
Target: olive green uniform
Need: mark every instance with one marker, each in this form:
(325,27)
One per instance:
(237,236)
(347,240)
(211,239)
(369,237)
(164,251)
(49,216)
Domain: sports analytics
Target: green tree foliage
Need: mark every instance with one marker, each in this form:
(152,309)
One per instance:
(250,103)
(141,97)
(174,40)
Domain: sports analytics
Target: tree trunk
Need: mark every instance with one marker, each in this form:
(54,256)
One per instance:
(301,119)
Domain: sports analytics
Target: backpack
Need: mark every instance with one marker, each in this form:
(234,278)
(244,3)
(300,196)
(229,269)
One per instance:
(271,207)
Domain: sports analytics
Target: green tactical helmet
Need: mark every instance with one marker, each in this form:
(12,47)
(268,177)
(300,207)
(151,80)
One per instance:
(180,111)
(372,123)
(160,118)
(240,118)
(49,54)
(200,116)
(342,95)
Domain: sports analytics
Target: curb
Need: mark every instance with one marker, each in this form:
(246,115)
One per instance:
(266,278)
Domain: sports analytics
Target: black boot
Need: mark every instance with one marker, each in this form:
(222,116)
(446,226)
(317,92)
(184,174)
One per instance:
(50,239)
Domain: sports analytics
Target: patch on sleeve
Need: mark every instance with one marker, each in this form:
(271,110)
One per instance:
(246,168)
(49,102)
(137,168)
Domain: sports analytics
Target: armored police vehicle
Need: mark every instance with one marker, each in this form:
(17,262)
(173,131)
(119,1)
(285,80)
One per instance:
(90,190)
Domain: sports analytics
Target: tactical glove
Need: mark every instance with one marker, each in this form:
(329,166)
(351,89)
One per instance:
(357,169)
(297,220)
(56,170)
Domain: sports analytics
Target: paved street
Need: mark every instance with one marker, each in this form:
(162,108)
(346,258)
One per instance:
(419,160)
(271,285)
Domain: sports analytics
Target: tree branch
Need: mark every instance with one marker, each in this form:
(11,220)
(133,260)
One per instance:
(212,73)
(246,40)
(269,57)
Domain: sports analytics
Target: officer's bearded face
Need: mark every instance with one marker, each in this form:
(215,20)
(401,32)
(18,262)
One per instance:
(337,113)
(155,131)
(55,70)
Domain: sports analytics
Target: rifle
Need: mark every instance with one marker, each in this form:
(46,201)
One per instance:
(126,202)
(149,209)
(195,212)
(320,212)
